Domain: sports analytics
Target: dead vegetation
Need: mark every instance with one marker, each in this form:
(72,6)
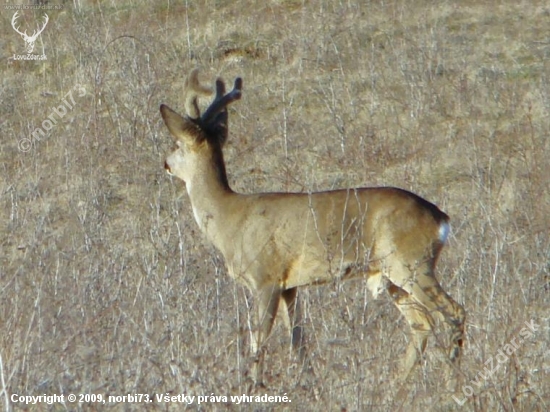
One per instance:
(107,286)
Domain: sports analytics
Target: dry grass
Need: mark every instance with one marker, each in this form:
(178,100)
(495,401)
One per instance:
(106,284)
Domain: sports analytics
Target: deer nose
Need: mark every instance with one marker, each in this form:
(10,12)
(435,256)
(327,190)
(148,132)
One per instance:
(167,167)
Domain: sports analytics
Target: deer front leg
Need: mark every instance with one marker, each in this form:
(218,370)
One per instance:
(268,303)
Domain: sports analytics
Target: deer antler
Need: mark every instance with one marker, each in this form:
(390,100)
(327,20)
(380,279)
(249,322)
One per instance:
(46,19)
(214,119)
(193,89)
(222,100)
(15,16)
(35,33)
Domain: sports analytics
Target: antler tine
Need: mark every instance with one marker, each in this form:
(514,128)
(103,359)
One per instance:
(193,89)
(46,19)
(220,92)
(13,20)
(221,101)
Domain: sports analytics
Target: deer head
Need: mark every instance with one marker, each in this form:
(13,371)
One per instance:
(30,40)
(199,138)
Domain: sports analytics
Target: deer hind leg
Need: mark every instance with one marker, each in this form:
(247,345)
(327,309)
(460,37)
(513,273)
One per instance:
(268,303)
(422,287)
(293,321)
(420,322)
(430,294)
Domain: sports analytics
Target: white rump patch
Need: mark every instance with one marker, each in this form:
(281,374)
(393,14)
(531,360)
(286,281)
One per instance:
(444,230)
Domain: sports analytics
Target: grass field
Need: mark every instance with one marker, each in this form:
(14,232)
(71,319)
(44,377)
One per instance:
(107,285)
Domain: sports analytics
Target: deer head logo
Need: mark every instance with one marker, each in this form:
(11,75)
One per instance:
(30,40)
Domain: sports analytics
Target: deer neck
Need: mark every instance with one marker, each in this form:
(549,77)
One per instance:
(209,193)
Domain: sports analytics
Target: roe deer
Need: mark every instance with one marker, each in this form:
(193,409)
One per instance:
(275,242)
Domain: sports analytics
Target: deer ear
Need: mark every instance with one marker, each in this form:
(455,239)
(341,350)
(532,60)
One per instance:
(181,128)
